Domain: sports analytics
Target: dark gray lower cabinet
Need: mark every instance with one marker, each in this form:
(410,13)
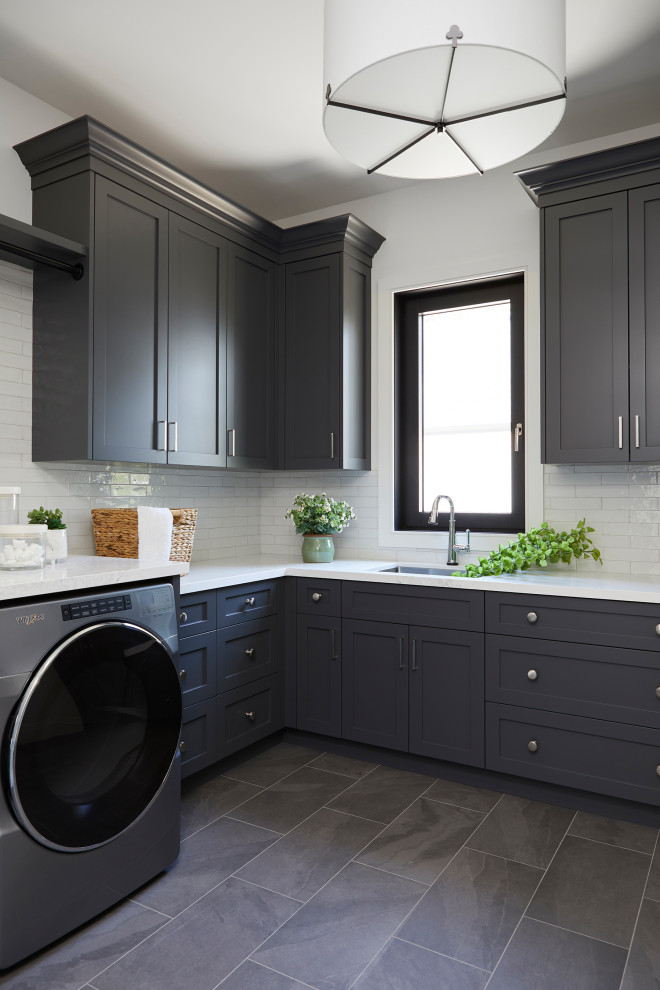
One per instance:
(318,674)
(446,695)
(375,683)
(198,744)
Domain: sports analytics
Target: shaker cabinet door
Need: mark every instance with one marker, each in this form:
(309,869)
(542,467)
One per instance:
(644,219)
(375,683)
(130,326)
(586,331)
(197,346)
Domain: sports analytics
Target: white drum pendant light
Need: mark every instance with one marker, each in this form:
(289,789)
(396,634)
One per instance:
(428,89)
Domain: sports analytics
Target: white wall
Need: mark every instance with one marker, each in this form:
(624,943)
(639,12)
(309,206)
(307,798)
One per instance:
(436,231)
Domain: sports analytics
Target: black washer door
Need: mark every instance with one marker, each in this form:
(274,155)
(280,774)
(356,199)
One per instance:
(94,736)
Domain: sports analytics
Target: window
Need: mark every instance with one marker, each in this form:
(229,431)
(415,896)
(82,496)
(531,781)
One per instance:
(459,405)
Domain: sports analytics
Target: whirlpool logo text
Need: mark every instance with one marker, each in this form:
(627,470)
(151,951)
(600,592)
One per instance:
(29,620)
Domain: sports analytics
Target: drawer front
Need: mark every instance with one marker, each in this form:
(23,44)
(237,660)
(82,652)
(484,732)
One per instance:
(198,743)
(249,601)
(197,614)
(246,652)
(440,608)
(247,714)
(318,597)
(620,760)
(197,668)
(574,620)
(595,681)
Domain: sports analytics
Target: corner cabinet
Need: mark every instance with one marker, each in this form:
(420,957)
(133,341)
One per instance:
(178,345)
(600,243)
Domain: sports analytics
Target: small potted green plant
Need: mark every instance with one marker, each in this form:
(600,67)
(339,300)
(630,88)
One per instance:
(318,518)
(56,542)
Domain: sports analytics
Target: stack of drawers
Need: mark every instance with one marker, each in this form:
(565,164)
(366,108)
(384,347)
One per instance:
(573,693)
(228,665)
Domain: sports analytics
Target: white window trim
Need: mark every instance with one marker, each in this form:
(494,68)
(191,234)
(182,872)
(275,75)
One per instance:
(388,537)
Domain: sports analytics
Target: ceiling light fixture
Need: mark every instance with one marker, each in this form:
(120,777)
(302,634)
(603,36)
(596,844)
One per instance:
(436,88)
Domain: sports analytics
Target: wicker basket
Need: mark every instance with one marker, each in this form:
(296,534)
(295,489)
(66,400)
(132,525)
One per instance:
(116,532)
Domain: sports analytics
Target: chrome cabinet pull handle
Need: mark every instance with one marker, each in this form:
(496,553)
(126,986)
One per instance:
(161,438)
(250,652)
(251,716)
(173,430)
(332,446)
(532,617)
(532,675)
(182,675)
(249,601)
(182,746)
(637,431)
(657,692)
(232,442)
(334,644)
(402,665)
(316,597)
(414,654)
(183,617)
(620,432)
(532,745)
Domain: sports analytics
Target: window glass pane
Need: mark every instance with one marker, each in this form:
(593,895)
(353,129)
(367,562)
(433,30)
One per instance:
(465,408)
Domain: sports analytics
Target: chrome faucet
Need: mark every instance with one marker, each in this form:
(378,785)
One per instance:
(452,546)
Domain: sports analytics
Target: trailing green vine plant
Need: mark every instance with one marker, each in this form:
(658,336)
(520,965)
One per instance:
(541,546)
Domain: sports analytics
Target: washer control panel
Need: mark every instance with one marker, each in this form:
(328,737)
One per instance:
(91,607)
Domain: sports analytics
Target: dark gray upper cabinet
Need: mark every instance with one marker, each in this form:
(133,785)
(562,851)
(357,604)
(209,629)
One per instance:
(119,377)
(327,412)
(251,360)
(601,305)
(197,369)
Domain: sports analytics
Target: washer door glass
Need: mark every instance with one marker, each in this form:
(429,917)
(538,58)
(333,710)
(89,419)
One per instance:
(94,736)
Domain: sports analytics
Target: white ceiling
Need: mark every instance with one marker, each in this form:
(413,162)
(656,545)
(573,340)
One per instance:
(232,90)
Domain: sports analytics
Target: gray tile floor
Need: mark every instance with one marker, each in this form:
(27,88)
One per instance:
(299,870)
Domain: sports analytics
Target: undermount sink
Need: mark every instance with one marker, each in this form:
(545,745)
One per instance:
(430,571)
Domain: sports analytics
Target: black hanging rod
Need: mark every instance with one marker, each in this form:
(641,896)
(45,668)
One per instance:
(76,270)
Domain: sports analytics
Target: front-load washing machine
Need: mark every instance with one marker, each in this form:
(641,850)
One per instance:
(90,709)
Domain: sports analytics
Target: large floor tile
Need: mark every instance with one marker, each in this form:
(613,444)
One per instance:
(640,838)
(643,968)
(78,958)
(343,764)
(653,885)
(335,935)
(383,794)
(204,803)
(204,944)
(268,767)
(421,841)
(252,976)
(310,855)
(527,831)
(472,910)
(401,966)
(593,889)
(463,795)
(207,858)
(287,803)
(541,957)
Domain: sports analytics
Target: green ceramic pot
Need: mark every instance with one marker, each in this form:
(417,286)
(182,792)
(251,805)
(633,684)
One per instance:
(318,549)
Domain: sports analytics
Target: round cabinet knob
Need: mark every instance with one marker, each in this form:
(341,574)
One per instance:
(250,653)
(657,629)
(249,601)
(532,675)
(316,597)
(657,770)
(532,745)
(183,617)
(532,617)
(182,746)
(182,675)
(657,692)
(251,716)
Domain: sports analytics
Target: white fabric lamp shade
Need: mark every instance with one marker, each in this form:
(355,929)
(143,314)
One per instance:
(400,89)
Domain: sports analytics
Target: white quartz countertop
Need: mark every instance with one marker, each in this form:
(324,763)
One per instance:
(78,573)
(557,579)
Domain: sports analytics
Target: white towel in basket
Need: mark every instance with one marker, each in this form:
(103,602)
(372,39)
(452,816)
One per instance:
(154,533)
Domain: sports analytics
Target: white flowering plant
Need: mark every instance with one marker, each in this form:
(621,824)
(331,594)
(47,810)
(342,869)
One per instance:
(319,515)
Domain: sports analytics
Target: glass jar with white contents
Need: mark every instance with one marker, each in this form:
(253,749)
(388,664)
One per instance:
(9,506)
(22,548)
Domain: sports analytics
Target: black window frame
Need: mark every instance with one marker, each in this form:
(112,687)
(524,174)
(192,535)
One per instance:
(408,306)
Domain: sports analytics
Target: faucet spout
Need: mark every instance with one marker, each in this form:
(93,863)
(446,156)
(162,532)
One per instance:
(452,546)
